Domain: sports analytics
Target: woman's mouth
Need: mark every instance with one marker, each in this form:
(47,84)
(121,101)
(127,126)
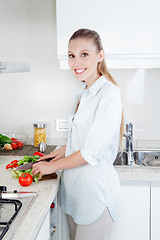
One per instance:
(79,71)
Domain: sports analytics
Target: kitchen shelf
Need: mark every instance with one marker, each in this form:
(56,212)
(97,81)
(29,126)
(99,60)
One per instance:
(27,150)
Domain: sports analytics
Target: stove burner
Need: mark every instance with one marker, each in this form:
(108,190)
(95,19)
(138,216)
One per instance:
(3,188)
(4,225)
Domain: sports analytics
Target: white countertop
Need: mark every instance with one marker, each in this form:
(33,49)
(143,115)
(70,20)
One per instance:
(138,173)
(47,190)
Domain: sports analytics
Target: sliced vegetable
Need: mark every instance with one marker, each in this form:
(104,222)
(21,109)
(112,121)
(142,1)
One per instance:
(12,164)
(38,154)
(25,179)
(26,159)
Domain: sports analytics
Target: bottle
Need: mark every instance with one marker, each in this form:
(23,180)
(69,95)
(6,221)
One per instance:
(39,133)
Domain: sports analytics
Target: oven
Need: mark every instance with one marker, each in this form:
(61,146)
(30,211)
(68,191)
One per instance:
(13,207)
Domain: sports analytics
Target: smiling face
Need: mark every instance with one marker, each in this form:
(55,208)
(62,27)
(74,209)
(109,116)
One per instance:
(83,59)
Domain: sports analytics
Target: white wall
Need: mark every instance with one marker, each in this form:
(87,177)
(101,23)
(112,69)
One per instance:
(28,34)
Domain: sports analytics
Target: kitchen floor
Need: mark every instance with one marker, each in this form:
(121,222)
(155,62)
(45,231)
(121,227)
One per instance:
(28,150)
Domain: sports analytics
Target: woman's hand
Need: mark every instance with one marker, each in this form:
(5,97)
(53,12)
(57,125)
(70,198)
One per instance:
(56,154)
(43,168)
(58,163)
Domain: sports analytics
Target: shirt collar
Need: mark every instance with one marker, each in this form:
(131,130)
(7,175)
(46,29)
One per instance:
(97,85)
(94,89)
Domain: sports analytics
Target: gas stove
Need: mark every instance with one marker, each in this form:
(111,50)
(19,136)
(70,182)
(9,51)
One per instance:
(13,207)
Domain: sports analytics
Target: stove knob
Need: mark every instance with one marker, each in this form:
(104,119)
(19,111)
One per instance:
(3,188)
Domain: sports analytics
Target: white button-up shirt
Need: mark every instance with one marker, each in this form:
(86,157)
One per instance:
(94,130)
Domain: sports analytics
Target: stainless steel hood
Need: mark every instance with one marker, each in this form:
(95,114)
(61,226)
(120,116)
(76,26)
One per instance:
(14,67)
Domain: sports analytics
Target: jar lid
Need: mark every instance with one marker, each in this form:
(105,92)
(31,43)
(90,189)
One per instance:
(39,125)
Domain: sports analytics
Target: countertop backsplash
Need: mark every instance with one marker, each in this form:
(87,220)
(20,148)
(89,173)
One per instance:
(137,144)
(143,144)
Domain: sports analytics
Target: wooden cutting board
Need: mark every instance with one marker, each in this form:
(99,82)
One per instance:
(49,176)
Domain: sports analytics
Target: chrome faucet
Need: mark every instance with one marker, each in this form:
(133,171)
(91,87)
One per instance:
(129,143)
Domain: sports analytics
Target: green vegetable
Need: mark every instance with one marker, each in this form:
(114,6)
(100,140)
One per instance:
(26,159)
(4,139)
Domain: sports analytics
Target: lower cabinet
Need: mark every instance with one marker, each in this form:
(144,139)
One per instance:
(138,216)
(155,211)
(44,232)
(50,229)
(133,220)
(55,225)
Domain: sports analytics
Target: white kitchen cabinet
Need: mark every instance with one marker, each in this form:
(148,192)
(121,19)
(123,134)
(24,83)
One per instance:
(133,220)
(155,211)
(63,227)
(51,226)
(58,221)
(129,30)
(44,232)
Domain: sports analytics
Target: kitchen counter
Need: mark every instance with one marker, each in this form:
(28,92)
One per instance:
(46,191)
(138,173)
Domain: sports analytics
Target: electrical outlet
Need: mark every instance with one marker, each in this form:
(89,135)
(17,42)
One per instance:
(61,125)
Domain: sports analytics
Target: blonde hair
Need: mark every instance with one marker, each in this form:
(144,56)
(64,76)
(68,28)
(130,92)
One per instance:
(101,67)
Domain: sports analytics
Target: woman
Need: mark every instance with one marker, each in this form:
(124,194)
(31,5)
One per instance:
(90,185)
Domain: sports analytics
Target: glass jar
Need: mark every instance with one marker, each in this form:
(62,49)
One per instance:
(39,133)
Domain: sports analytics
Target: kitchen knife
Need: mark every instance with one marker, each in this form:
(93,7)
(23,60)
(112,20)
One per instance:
(29,165)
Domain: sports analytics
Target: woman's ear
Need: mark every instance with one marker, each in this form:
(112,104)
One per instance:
(101,55)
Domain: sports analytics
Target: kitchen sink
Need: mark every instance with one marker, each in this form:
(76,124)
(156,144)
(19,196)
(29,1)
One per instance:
(141,157)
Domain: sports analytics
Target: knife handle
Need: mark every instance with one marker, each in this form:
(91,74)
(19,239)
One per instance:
(43,160)
(46,160)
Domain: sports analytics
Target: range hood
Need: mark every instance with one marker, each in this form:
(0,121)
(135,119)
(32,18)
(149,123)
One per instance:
(130,31)
(14,67)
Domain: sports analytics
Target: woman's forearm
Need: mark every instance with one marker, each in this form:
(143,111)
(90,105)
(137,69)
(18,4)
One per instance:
(71,161)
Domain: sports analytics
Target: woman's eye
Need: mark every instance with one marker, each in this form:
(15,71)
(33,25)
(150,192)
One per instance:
(70,55)
(84,54)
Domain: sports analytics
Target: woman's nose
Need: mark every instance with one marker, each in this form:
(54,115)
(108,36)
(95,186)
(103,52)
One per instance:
(77,60)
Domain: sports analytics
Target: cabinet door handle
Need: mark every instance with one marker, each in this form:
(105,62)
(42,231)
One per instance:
(53,229)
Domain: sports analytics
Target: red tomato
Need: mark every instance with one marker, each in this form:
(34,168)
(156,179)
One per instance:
(15,141)
(20,144)
(25,179)
(14,145)
(13,138)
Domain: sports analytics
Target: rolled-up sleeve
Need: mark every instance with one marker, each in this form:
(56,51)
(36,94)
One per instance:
(105,129)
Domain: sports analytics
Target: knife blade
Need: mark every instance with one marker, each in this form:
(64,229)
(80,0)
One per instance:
(29,165)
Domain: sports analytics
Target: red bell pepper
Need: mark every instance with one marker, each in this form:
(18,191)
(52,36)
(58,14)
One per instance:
(39,154)
(12,164)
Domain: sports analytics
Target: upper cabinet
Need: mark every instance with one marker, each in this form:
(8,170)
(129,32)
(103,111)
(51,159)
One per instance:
(129,30)
(14,33)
